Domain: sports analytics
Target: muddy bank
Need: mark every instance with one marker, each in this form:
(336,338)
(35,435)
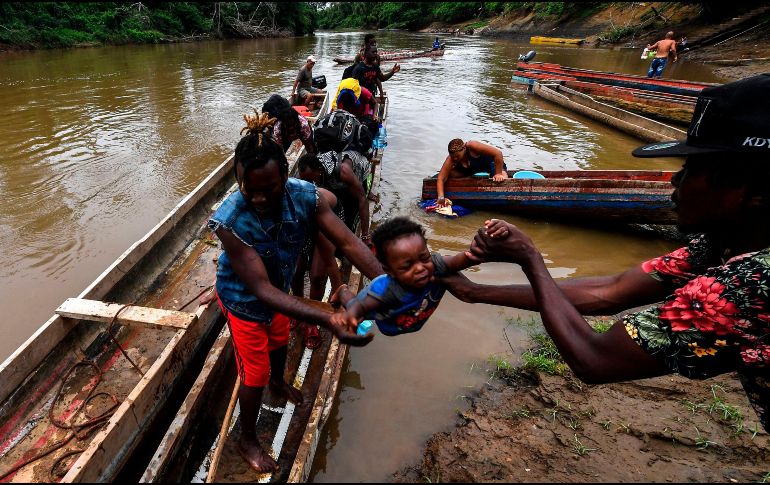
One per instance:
(534,427)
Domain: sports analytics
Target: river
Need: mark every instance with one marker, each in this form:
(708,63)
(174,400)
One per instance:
(100,143)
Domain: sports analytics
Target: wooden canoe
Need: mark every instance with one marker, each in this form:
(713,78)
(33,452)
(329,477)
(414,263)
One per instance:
(396,56)
(599,196)
(634,124)
(662,106)
(673,86)
(536,39)
(192,450)
(162,273)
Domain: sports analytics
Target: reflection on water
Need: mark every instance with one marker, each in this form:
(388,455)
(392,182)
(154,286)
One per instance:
(99,144)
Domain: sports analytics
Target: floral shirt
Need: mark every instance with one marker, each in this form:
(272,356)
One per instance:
(284,139)
(716,320)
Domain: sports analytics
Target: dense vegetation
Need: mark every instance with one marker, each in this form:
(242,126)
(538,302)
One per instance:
(414,15)
(64,24)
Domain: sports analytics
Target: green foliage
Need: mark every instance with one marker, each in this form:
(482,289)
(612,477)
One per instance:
(416,15)
(544,357)
(64,24)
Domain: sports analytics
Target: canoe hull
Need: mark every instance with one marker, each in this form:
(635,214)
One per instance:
(622,200)
(672,86)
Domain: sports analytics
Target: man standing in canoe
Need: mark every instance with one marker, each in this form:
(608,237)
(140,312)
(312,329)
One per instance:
(370,75)
(263,227)
(468,159)
(664,48)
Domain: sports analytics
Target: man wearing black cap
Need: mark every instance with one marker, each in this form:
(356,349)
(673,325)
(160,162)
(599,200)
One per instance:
(710,300)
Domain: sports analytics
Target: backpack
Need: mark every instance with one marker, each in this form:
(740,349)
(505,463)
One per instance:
(339,131)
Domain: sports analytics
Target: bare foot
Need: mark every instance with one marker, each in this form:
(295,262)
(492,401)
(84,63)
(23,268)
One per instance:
(285,391)
(373,197)
(259,459)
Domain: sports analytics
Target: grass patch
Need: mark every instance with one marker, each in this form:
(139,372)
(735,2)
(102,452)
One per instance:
(544,357)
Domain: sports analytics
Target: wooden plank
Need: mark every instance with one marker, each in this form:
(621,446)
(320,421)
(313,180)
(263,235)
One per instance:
(111,446)
(323,403)
(223,431)
(100,311)
(196,400)
(15,369)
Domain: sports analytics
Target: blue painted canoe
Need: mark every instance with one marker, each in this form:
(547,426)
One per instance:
(607,196)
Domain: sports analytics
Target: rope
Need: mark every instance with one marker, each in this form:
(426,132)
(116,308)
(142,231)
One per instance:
(83,430)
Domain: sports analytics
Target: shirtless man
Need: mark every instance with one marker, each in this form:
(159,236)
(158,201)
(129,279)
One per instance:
(664,47)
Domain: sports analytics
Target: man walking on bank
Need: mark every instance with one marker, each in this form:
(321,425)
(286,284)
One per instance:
(664,48)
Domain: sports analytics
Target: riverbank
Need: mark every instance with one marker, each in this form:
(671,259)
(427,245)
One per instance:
(530,425)
(633,25)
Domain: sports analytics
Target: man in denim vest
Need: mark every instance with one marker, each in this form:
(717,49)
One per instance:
(263,227)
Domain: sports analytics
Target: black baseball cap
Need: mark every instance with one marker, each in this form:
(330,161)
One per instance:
(731,118)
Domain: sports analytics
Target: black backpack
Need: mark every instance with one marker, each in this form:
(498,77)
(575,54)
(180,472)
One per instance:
(339,131)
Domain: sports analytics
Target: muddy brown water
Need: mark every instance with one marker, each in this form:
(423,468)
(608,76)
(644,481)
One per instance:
(99,144)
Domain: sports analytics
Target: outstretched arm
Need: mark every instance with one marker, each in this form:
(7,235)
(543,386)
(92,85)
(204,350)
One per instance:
(603,295)
(441,179)
(593,357)
(356,310)
(249,267)
(353,248)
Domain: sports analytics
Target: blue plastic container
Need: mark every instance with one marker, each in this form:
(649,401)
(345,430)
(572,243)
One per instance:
(528,174)
(364,327)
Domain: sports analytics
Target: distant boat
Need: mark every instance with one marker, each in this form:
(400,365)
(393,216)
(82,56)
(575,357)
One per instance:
(536,39)
(397,56)
(671,86)
(602,196)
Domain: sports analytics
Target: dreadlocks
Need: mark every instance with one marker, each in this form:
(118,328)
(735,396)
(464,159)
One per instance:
(258,146)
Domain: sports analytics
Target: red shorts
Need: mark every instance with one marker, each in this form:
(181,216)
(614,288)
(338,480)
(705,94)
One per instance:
(252,344)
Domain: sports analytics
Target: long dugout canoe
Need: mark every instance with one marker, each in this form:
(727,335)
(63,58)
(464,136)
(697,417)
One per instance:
(634,124)
(672,86)
(396,56)
(166,269)
(190,449)
(599,196)
(536,39)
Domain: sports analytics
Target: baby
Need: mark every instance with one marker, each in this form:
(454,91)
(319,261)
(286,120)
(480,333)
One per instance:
(401,300)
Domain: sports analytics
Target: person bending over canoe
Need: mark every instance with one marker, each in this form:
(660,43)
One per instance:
(664,48)
(713,310)
(401,300)
(263,227)
(468,159)
(356,100)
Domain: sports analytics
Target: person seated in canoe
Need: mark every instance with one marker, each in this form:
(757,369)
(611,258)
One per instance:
(708,303)
(346,175)
(289,125)
(355,99)
(436,44)
(401,300)
(304,81)
(263,226)
(467,160)
(370,75)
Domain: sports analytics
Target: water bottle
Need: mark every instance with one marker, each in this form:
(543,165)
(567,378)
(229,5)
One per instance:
(376,143)
(364,327)
(644,53)
(383,136)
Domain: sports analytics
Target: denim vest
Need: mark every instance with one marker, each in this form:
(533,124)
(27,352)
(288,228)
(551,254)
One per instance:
(278,253)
